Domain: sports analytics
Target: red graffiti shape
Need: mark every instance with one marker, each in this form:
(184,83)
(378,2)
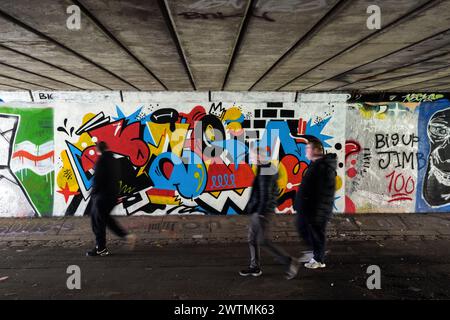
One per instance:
(223,177)
(196,114)
(351,147)
(349,205)
(294,170)
(124,139)
(352,172)
(89,158)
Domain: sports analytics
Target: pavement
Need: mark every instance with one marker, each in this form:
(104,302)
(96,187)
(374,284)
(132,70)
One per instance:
(198,257)
(200,229)
(415,269)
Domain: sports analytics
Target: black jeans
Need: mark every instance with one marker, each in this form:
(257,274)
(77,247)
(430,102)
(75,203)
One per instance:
(100,211)
(313,232)
(257,237)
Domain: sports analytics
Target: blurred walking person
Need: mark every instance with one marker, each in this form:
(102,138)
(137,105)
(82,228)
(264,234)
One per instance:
(104,197)
(261,207)
(314,202)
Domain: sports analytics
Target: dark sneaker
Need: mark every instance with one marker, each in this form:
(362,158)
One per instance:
(256,272)
(97,253)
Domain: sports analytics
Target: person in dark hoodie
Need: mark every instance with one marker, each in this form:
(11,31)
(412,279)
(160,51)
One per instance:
(104,197)
(314,202)
(261,207)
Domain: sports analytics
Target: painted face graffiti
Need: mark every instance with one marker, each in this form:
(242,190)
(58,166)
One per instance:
(438,172)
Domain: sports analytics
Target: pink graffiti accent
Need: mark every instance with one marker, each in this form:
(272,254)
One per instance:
(349,205)
(124,139)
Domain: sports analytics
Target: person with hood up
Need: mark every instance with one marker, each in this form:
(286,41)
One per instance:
(314,202)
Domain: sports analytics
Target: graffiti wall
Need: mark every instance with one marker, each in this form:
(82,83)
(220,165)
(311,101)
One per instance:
(194,157)
(26,161)
(390,164)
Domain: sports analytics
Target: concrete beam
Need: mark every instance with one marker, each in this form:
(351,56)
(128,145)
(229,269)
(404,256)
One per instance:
(9,87)
(26,63)
(412,80)
(21,84)
(421,51)
(274,28)
(141,28)
(409,29)
(347,28)
(32,77)
(26,40)
(86,42)
(207,32)
(428,66)
(439,84)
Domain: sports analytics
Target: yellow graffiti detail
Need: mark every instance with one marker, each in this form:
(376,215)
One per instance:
(282,179)
(66,174)
(231,114)
(164,200)
(124,188)
(163,136)
(338,183)
(234,126)
(198,177)
(84,141)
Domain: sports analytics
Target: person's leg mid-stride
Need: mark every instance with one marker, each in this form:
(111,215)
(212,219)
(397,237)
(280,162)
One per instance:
(261,206)
(103,200)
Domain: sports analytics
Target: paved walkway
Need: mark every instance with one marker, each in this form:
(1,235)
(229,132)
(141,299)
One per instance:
(416,269)
(187,229)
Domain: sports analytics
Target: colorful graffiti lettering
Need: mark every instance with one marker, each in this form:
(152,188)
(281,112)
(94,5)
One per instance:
(197,161)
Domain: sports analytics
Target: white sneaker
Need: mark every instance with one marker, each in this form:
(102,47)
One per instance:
(313,264)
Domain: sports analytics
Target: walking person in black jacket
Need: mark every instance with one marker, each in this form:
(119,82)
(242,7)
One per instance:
(104,196)
(314,202)
(261,206)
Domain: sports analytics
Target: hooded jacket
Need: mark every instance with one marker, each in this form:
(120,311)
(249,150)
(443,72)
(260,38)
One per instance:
(105,177)
(315,195)
(263,199)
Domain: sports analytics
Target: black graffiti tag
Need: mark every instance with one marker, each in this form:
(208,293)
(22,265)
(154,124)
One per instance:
(387,148)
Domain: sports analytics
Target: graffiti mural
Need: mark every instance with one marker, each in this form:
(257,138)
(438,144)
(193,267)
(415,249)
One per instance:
(382,156)
(27,169)
(192,159)
(434,178)
(195,158)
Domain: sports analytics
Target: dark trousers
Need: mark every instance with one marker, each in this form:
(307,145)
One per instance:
(257,237)
(100,210)
(313,232)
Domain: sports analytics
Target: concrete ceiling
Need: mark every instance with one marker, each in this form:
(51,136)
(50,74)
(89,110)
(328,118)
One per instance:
(233,45)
